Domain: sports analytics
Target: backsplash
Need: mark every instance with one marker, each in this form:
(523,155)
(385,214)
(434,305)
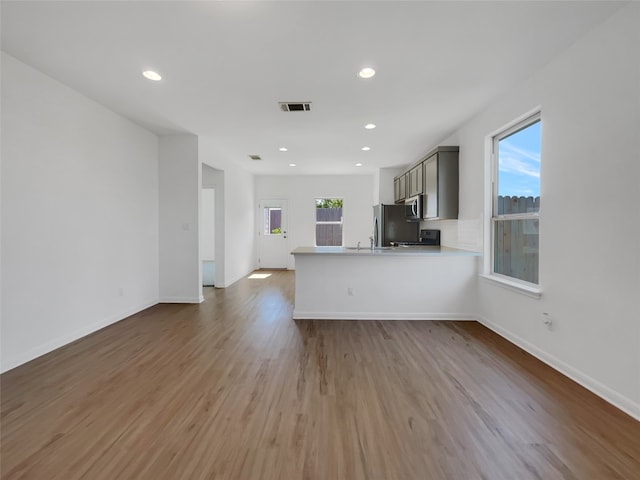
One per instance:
(465,234)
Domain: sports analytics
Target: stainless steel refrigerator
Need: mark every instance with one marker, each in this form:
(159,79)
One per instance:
(390,225)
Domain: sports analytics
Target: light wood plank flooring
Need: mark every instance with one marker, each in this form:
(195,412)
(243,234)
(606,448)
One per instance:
(235,389)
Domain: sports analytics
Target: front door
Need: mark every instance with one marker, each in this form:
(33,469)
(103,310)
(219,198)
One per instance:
(273,246)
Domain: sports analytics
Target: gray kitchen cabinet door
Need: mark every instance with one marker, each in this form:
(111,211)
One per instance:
(430,167)
(403,186)
(415,180)
(441,185)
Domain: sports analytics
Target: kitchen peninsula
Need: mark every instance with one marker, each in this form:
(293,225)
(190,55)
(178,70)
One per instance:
(400,283)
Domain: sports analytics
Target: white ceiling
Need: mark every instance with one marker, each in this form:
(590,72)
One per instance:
(225,66)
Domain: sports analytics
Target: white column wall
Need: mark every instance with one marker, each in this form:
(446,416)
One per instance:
(208,225)
(179,198)
(214,178)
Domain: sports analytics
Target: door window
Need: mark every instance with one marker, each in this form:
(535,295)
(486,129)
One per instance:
(272,221)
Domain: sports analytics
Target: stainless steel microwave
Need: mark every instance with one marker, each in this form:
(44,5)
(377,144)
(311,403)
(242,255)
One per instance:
(413,208)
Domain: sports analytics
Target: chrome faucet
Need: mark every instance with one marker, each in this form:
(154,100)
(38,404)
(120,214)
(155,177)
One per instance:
(372,245)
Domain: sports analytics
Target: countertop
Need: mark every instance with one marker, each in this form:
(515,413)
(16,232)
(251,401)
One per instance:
(418,251)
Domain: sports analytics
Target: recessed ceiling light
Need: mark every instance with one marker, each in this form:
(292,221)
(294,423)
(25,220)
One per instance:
(151,75)
(366,149)
(366,72)
(358,164)
(370,126)
(283,149)
(292,164)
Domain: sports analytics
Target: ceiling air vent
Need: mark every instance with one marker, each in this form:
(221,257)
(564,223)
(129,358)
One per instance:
(255,157)
(295,106)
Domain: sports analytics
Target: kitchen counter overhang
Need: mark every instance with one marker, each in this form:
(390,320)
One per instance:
(410,283)
(413,250)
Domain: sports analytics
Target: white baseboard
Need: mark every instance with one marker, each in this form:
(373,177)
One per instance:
(199,299)
(301,315)
(614,398)
(52,345)
(234,280)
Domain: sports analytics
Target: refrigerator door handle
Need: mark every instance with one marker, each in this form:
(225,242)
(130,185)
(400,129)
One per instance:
(375,232)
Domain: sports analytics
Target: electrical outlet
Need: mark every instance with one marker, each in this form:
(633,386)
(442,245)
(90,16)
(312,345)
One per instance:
(350,291)
(548,321)
(120,292)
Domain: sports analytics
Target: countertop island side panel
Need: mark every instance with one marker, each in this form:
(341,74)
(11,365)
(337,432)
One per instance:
(425,283)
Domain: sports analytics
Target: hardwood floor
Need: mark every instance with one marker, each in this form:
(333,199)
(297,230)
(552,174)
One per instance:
(235,389)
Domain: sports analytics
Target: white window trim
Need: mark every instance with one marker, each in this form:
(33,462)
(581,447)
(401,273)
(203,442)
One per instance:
(490,176)
(513,284)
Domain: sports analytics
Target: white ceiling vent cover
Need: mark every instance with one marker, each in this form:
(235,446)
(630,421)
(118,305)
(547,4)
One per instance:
(255,157)
(295,106)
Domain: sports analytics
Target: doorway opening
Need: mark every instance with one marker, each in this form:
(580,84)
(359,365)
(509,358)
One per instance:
(208,236)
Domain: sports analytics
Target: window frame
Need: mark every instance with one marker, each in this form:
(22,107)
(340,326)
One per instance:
(491,205)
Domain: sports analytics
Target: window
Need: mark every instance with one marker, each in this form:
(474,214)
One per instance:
(329,222)
(272,220)
(516,201)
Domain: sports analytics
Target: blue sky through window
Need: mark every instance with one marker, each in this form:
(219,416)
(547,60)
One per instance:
(519,163)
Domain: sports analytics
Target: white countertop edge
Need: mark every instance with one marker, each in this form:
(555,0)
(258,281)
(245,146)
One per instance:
(395,251)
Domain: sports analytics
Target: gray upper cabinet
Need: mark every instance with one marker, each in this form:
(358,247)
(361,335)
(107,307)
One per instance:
(431,187)
(396,189)
(441,183)
(437,178)
(404,185)
(400,188)
(416,178)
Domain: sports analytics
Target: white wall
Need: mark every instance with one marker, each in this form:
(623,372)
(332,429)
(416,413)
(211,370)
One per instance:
(385,186)
(301,192)
(179,197)
(208,225)
(377,186)
(590,226)
(240,212)
(79,215)
(235,213)
(214,178)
